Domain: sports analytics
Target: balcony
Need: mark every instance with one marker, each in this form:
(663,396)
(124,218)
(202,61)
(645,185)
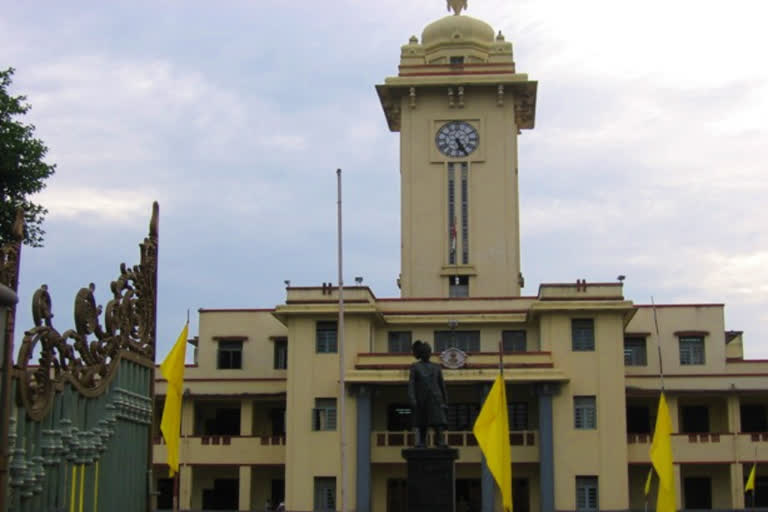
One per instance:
(711,447)
(235,450)
(386,446)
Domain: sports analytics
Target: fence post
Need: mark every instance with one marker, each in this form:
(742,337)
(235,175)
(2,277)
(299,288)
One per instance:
(7,300)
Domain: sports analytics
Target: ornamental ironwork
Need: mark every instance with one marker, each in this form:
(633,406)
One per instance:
(88,355)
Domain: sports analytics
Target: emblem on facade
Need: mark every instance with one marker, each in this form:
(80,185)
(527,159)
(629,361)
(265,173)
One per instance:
(453,358)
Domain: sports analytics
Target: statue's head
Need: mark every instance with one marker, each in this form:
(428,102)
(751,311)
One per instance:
(421,350)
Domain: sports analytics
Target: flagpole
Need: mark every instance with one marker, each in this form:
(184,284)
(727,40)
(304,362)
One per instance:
(658,344)
(340,334)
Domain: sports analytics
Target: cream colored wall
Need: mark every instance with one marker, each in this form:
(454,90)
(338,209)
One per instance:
(601,452)
(493,198)
(311,376)
(680,318)
(258,355)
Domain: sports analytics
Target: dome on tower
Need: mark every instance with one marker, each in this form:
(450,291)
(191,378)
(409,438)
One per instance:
(457,30)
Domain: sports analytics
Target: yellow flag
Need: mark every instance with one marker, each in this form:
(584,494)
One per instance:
(751,480)
(648,481)
(173,371)
(492,433)
(661,458)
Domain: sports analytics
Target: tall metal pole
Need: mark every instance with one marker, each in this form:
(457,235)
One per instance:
(342,390)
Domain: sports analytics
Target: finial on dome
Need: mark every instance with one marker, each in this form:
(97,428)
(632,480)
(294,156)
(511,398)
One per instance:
(457,6)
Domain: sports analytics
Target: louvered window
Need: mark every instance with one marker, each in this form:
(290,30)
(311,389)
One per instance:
(583,334)
(326,337)
(584,412)
(691,350)
(324,414)
(586,494)
(325,494)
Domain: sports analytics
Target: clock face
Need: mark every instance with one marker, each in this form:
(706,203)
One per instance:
(457,139)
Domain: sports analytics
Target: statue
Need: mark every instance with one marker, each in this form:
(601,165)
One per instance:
(457,6)
(427,394)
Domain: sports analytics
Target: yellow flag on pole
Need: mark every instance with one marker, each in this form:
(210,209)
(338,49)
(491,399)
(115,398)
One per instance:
(492,433)
(648,481)
(751,480)
(661,458)
(173,371)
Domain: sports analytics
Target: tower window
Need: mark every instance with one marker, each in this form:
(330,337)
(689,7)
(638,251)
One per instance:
(457,61)
(452,227)
(464,213)
(458,286)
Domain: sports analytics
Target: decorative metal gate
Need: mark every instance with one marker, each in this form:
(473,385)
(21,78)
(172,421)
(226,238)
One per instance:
(80,430)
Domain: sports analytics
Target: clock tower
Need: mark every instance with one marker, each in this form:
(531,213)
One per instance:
(459,105)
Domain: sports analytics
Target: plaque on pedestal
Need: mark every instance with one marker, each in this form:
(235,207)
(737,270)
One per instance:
(431,479)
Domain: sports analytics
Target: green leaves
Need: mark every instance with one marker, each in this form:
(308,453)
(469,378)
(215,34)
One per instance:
(22,167)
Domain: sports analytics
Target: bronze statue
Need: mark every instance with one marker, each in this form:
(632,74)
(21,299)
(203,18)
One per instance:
(427,394)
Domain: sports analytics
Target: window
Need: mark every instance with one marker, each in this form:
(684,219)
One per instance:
(325,494)
(586,494)
(281,354)
(464,213)
(399,342)
(697,492)
(753,418)
(695,418)
(518,415)
(230,355)
(513,341)
(326,337)
(691,350)
(452,227)
(461,417)
(458,286)
(583,334)
(457,61)
(584,412)
(324,414)
(634,351)
(217,419)
(468,341)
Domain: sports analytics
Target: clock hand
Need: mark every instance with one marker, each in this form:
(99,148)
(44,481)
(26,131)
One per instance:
(464,149)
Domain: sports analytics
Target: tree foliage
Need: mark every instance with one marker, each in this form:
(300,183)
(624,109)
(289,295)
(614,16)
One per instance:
(22,169)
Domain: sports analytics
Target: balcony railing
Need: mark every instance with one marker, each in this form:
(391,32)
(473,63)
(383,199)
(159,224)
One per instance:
(241,450)
(703,446)
(387,445)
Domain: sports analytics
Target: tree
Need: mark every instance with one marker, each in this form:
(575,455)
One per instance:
(22,169)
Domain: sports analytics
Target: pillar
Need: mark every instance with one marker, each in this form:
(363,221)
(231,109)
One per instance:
(363,477)
(185,487)
(244,489)
(737,485)
(246,417)
(545,392)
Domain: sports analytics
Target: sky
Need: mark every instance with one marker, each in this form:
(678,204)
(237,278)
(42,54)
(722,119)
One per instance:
(647,159)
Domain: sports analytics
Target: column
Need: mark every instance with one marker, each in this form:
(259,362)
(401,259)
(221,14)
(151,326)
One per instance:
(244,489)
(363,477)
(487,484)
(185,487)
(246,417)
(734,413)
(737,485)
(545,391)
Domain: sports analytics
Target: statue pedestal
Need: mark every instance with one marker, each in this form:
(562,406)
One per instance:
(431,479)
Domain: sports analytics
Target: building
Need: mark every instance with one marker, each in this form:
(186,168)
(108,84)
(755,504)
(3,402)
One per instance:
(580,359)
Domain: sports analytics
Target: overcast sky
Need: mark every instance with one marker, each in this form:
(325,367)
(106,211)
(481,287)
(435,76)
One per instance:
(648,157)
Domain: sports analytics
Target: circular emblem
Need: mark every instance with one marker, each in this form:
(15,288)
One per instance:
(453,358)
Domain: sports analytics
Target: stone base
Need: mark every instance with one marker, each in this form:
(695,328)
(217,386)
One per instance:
(431,479)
